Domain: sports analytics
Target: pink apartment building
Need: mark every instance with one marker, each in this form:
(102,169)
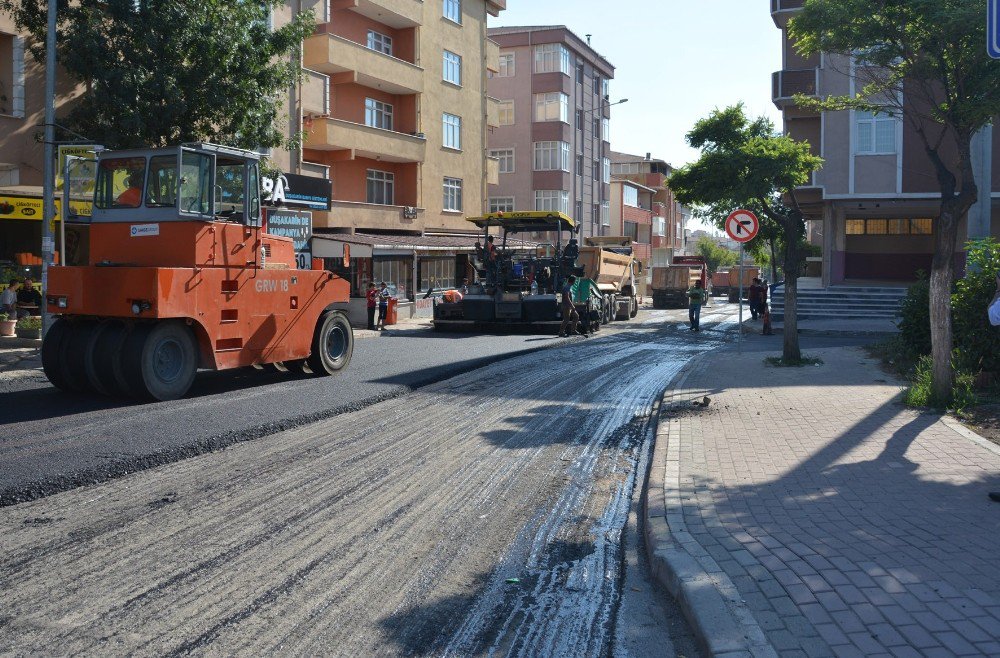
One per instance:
(871,207)
(552,142)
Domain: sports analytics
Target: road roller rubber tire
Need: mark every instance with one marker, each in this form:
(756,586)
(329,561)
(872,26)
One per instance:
(102,360)
(75,351)
(52,353)
(332,344)
(164,366)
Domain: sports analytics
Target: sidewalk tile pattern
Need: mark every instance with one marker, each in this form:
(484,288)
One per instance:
(850,524)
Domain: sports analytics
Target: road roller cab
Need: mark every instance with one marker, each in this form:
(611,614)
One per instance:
(182,276)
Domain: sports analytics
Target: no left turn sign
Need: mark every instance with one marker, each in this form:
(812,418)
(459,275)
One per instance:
(742,225)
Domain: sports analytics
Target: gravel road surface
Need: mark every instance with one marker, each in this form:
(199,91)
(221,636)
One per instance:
(480,515)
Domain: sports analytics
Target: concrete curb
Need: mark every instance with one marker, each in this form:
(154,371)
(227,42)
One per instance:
(678,561)
(982,442)
(15,341)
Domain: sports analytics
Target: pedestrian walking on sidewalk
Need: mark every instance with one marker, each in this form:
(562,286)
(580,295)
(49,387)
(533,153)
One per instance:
(697,297)
(371,297)
(569,314)
(753,297)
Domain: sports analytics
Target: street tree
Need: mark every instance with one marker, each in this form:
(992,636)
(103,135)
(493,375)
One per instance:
(159,72)
(715,255)
(745,164)
(926,61)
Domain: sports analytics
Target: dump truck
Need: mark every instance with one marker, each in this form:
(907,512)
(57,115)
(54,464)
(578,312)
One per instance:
(181,276)
(749,274)
(608,260)
(720,283)
(671,283)
(519,286)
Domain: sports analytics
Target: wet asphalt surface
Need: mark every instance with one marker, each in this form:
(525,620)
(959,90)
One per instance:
(51,441)
(489,513)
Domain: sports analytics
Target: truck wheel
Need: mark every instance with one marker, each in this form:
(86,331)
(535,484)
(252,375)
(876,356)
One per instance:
(633,307)
(159,361)
(332,345)
(52,353)
(101,362)
(74,354)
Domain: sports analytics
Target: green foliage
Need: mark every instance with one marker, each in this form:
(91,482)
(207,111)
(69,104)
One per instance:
(976,341)
(30,323)
(161,72)
(915,318)
(714,255)
(921,391)
(4,316)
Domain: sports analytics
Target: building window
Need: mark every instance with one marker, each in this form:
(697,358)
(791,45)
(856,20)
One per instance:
(889,227)
(630,196)
(579,73)
(579,165)
(552,200)
(876,133)
(552,58)
(502,204)
(605,88)
(397,272)
(597,84)
(506,113)
(629,230)
(579,120)
(553,106)
(605,213)
(607,170)
(378,114)
(506,158)
(452,68)
(452,193)
(453,10)
(660,226)
(380,42)
(506,66)
(452,131)
(579,211)
(12,76)
(551,156)
(595,170)
(435,273)
(606,129)
(380,187)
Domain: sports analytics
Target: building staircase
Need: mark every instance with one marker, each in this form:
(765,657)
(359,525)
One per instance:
(841,303)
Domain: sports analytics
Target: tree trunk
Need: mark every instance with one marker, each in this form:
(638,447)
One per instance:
(942,276)
(774,263)
(790,350)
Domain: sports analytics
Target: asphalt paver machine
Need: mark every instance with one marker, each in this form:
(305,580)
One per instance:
(181,276)
(522,284)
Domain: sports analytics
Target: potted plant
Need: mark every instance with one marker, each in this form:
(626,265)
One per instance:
(29,327)
(7,324)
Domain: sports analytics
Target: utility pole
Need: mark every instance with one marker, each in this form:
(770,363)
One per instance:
(48,169)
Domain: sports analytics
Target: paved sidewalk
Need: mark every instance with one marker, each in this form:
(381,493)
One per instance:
(805,511)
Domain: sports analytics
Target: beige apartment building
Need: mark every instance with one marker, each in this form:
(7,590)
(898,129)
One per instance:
(871,206)
(395,109)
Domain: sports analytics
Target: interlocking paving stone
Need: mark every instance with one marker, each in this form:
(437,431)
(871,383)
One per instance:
(861,525)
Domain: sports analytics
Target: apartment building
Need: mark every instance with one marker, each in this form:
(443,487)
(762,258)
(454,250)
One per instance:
(552,144)
(667,235)
(396,108)
(632,215)
(871,206)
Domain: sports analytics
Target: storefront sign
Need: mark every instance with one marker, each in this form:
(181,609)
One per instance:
(294,224)
(83,173)
(296,191)
(31,208)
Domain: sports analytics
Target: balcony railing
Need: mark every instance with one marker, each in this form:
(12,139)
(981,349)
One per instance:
(365,141)
(786,84)
(394,13)
(335,55)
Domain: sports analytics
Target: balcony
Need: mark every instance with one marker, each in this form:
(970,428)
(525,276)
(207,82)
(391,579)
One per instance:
(492,112)
(786,84)
(781,10)
(394,13)
(349,214)
(492,56)
(365,141)
(315,93)
(346,61)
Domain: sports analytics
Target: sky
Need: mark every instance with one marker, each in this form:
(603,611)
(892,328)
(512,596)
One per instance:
(676,61)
